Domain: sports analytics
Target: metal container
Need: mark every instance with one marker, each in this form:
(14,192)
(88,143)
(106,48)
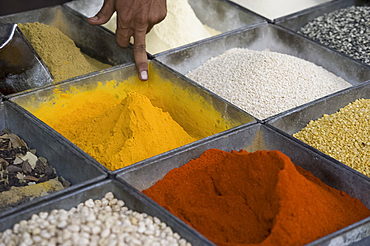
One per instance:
(264,37)
(133,199)
(297,20)
(228,112)
(260,8)
(261,137)
(76,167)
(93,41)
(20,66)
(221,15)
(274,38)
(295,120)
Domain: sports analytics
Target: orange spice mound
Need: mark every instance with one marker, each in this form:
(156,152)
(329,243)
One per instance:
(242,198)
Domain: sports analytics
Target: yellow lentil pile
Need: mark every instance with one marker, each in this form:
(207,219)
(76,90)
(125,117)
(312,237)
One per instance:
(343,135)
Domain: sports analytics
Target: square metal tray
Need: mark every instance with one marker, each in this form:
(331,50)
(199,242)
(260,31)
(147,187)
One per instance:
(297,20)
(273,17)
(295,120)
(222,15)
(133,199)
(274,38)
(94,41)
(76,167)
(261,137)
(232,114)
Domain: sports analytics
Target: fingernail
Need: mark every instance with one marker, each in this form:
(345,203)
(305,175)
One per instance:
(95,18)
(144,75)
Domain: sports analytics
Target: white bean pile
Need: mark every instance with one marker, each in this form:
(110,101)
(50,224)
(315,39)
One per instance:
(100,222)
(265,83)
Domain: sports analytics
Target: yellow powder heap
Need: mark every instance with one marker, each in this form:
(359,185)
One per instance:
(115,127)
(59,53)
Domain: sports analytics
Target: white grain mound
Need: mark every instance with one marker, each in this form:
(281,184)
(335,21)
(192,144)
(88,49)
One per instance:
(265,83)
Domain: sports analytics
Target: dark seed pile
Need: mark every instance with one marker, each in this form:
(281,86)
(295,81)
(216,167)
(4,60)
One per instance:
(19,166)
(345,30)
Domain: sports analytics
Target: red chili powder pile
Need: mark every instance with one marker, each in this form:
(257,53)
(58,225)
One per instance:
(242,198)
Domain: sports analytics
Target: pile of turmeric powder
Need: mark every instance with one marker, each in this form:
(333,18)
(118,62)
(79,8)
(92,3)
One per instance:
(123,122)
(114,126)
(59,53)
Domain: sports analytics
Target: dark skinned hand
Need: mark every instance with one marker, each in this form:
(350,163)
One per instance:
(134,18)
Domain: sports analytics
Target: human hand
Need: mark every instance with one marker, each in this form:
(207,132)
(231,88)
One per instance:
(134,18)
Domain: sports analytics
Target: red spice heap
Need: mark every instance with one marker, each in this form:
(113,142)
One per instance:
(254,198)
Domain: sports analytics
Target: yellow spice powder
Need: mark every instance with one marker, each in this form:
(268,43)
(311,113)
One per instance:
(59,53)
(115,127)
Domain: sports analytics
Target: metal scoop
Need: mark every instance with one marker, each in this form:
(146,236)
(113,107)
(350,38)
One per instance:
(21,68)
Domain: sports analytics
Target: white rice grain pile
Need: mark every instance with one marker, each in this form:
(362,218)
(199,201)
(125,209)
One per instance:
(265,83)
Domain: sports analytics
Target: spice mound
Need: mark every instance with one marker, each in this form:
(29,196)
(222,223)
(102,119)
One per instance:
(101,222)
(345,30)
(59,53)
(265,83)
(24,176)
(343,135)
(116,130)
(242,198)
(181,26)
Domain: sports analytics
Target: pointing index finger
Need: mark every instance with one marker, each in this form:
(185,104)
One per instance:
(141,58)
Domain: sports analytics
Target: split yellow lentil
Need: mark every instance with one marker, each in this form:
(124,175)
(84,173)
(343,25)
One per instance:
(343,135)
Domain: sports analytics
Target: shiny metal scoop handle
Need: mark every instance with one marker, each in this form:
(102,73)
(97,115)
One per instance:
(21,68)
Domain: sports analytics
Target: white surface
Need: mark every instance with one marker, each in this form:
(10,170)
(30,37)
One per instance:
(273,9)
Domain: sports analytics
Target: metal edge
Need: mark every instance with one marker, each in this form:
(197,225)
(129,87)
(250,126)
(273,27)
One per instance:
(181,149)
(203,89)
(119,67)
(157,211)
(198,142)
(307,10)
(309,104)
(101,176)
(249,10)
(312,149)
(339,4)
(10,36)
(306,105)
(348,230)
(283,136)
(209,40)
(67,81)
(266,25)
(60,138)
(266,20)
(155,205)
(291,32)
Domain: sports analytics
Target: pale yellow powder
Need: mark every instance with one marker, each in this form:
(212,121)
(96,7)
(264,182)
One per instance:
(59,53)
(20,194)
(181,26)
